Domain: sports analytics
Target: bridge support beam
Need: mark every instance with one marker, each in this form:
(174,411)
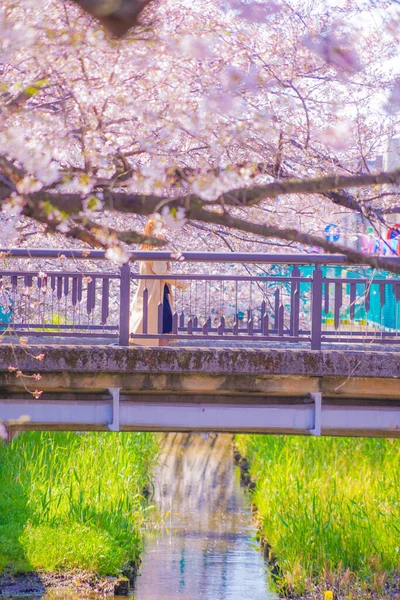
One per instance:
(148,412)
(317,397)
(115,423)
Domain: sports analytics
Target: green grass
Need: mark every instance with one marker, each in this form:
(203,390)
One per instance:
(70,500)
(327,507)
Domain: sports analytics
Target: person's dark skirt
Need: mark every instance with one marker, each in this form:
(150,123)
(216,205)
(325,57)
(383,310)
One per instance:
(167,312)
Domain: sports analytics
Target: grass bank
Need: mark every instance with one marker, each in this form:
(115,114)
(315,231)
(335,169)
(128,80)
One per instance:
(70,500)
(329,509)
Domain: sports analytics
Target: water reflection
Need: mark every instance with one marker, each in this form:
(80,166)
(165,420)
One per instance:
(205,550)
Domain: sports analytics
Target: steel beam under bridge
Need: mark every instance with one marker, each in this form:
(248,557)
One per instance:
(306,416)
(201,389)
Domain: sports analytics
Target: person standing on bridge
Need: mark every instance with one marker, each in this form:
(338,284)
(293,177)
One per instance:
(159,291)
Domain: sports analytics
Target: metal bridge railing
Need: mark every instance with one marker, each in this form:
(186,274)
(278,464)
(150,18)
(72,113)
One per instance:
(251,297)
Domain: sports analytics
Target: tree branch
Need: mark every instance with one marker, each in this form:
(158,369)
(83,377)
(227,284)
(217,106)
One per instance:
(345,200)
(250,196)
(78,227)
(117,17)
(331,186)
(128,237)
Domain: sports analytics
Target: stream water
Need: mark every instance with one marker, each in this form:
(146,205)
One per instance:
(206,548)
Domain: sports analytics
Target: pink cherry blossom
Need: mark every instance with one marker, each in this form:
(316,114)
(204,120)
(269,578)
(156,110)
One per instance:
(256,12)
(334,51)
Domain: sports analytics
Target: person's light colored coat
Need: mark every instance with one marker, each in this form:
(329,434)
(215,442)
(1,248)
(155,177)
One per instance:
(155,288)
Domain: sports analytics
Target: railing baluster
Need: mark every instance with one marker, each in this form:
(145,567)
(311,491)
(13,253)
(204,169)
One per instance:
(160,312)
(338,304)
(265,324)
(367,297)
(124,304)
(221,326)
(316,309)
(105,296)
(74,298)
(66,289)
(277,305)
(80,289)
(281,320)
(89,296)
(175,323)
(382,293)
(326,298)
(93,293)
(250,324)
(190,327)
(59,287)
(353,298)
(296,314)
(145,310)
(294,297)
(236,325)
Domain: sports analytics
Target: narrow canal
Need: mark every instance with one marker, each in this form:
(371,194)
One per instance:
(205,549)
(201,543)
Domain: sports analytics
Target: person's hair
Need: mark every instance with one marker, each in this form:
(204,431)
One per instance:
(149,231)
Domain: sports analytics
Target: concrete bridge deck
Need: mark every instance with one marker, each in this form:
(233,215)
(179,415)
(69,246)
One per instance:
(206,389)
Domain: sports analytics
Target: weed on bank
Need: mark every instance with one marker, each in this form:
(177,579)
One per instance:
(329,509)
(70,500)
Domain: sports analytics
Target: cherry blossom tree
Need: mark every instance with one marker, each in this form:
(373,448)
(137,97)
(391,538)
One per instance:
(254,121)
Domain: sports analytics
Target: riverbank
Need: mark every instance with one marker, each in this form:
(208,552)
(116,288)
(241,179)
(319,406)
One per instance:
(65,585)
(74,503)
(329,511)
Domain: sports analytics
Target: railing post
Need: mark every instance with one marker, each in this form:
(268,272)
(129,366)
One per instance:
(124,304)
(316,309)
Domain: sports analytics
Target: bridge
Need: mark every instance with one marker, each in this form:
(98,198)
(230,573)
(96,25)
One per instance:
(260,343)
(205,389)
